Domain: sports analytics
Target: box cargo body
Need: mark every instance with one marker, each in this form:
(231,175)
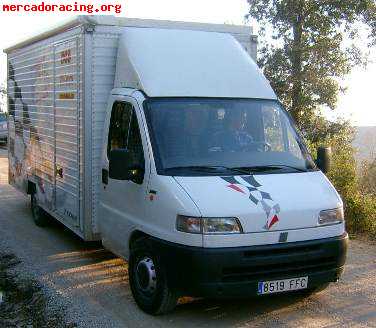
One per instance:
(58,86)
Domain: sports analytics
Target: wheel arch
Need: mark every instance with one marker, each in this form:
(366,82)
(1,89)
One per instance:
(135,235)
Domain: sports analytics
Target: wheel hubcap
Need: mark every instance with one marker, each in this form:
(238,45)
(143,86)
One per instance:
(146,276)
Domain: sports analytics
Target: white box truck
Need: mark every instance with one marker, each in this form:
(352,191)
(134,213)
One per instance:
(164,141)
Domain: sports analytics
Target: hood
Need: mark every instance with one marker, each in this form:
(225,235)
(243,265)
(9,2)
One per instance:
(264,202)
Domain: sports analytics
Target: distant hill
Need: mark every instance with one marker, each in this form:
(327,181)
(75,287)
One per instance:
(365,142)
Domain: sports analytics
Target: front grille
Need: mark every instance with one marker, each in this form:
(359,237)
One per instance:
(296,250)
(279,263)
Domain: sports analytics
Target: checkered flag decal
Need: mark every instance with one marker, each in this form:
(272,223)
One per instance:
(256,196)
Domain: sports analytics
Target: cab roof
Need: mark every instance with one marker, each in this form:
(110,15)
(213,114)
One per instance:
(186,63)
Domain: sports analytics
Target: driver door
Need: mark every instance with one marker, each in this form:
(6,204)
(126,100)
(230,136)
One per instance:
(121,201)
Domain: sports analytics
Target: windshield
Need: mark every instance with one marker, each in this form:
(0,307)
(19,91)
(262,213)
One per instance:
(209,136)
(3,118)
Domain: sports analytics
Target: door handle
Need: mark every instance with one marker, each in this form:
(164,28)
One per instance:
(105,176)
(58,171)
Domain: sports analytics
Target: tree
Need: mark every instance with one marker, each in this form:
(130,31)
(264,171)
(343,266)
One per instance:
(307,55)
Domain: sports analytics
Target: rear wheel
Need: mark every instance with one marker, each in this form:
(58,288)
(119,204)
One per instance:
(40,217)
(148,280)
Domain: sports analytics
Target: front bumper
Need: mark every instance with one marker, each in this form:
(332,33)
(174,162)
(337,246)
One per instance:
(236,271)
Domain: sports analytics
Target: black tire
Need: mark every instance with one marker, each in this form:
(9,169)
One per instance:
(148,280)
(40,217)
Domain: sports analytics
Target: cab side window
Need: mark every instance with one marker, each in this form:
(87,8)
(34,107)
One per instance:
(119,126)
(124,132)
(135,142)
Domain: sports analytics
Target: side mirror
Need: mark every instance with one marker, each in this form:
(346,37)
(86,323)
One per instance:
(324,155)
(124,166)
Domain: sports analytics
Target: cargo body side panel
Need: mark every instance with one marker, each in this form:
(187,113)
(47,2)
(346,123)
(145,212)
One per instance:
(45,124)
(68,112)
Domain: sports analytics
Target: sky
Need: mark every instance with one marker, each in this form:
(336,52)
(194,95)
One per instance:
(358,104)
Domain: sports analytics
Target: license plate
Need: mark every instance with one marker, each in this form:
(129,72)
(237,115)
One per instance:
(279,286)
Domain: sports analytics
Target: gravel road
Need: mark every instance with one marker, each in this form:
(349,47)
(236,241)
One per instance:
(92,284)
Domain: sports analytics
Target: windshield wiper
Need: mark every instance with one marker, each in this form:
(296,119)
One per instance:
(210,168)
(271,167)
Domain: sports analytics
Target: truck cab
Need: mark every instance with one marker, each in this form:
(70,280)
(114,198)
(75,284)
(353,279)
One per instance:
(207,186)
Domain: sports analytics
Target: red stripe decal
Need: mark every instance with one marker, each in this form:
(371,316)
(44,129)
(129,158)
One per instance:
(236,188)
(273,221)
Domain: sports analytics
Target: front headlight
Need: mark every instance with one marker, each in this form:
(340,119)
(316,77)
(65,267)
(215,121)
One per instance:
(208,226)
(221,225)
(331,216)
(188,224)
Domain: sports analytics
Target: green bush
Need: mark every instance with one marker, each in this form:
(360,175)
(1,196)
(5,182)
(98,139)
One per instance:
(360,205)
(368,176)
(360,213)
(357,192)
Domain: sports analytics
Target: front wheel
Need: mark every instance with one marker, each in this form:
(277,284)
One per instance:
(39,215)
(148,280)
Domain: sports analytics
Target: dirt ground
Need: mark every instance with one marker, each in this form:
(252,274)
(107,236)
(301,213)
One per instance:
(90,285)
(23,302)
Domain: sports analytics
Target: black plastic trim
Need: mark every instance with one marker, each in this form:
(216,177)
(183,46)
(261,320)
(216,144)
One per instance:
(236,271)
